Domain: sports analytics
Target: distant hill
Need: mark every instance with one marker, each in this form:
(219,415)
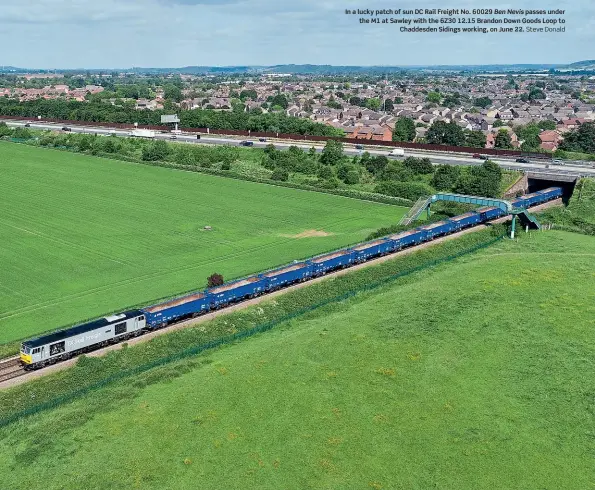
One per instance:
(583,66)
(309,69)
(11,69)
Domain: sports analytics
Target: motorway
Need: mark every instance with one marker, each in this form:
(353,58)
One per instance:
(566,171)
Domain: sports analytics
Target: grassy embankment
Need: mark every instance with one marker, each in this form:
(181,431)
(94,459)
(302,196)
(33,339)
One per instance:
(475,374)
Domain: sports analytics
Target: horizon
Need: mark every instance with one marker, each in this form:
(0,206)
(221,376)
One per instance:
(157,67)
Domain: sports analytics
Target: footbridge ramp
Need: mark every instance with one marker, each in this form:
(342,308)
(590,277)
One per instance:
(424,203)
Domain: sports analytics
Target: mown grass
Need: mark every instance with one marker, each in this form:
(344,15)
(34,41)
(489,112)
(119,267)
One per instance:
(477,374)
(82,236)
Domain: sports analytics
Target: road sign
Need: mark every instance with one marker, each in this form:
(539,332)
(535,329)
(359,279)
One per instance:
(170,119)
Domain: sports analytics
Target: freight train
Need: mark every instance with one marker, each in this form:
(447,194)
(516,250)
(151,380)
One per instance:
(64,344)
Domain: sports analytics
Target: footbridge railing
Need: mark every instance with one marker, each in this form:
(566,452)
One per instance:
(425,202)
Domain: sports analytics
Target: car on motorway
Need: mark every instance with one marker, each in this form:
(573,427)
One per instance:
(478,156)
(359,147)
(27,125)
(198,136)
(247,143)
(66,128)
(173,137)
(262,140)
(522,160)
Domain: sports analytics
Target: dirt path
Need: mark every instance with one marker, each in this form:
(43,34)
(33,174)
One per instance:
(245,304)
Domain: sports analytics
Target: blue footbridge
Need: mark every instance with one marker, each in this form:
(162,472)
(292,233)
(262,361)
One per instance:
(508,207)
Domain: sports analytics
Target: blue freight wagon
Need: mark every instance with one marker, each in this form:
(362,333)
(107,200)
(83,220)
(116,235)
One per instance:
(465,220)
(329,262)
(518,203)
(437,229)
(527,200)
(406,238)
(551,193)
(488,213)
(365,251)
(235,291)
(287,275)
(176,309)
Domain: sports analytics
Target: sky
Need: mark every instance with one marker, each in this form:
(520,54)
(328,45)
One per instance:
(48,34)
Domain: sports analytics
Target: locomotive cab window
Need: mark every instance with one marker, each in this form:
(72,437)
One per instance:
(57,348)
(120,328)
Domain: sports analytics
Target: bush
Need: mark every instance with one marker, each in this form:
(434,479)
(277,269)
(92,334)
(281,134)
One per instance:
(21,133)
(226,166)
(396,171)
(418,165)
(215,280)
(157,150)
(325,172)
(352,177)
(374,165)
(331,183)
(280,174)
(483,180)
(348,173)
(4,130)
(407,190)
(445,177)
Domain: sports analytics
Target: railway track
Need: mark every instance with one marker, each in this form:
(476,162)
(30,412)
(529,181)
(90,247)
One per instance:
(10,368)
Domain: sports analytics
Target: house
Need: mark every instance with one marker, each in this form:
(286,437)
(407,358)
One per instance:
(568,124)
(520,114)
(375,132)
(420,132)
(549,140)
(491,137)
(487,123)
(490,140)
(505,115)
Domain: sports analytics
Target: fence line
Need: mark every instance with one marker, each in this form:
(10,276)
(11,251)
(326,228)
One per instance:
(228,339)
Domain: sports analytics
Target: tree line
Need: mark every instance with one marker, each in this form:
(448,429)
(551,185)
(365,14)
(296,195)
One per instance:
(197,118)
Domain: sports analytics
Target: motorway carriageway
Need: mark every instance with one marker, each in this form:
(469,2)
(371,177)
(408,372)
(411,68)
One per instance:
(435,157)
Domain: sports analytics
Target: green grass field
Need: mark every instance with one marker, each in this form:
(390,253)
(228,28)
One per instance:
(82,236)
(477,374)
